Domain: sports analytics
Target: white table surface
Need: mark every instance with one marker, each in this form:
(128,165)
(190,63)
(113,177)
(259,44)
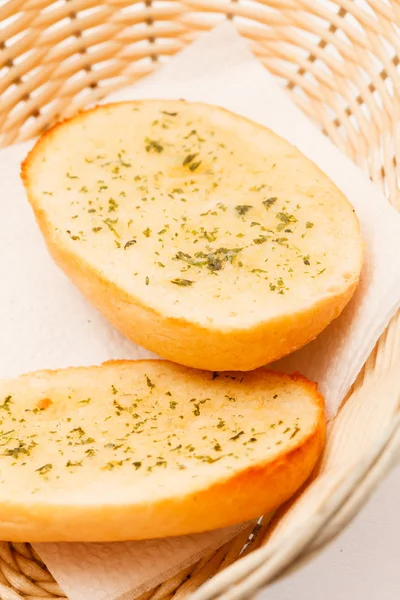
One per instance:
(362,563)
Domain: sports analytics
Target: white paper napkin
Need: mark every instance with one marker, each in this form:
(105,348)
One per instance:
(46,323)
(124,570)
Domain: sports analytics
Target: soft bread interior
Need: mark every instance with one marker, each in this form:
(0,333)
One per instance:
(254,231)
(126,439)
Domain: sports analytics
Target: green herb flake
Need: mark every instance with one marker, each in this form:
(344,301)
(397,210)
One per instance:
(309,225)
(182,282)
(112,205)
(261,239)
(189,158)
(242,209)
(237,436)
(194,165)
(45,469)
(281,240)
(214,261)
(295,432)
(269,202)
(22,448)
(129,243)
(110,224)
(87,401)
(230,398)
(112,465)
(285,220)
(153,146)
(147,232)
(6,404)
(78,430)
(149,383)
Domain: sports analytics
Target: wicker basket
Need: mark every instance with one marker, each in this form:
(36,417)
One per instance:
(339,59)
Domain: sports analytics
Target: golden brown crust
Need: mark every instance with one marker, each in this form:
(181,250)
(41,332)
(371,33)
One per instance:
(178,339)
(252,493)
(246,495)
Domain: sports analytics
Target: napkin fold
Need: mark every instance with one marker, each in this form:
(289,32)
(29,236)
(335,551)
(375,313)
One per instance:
(46,323)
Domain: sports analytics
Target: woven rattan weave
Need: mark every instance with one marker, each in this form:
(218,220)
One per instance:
(339,60)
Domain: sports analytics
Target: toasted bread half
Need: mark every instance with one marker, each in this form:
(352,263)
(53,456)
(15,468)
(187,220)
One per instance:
(202,236)
(143,449)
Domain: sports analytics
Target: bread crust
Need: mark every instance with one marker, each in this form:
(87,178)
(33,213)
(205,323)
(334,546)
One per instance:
(235,498)
(179,339)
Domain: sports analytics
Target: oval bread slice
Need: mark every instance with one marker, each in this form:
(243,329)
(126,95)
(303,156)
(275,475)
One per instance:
(200,235)
(144,449)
